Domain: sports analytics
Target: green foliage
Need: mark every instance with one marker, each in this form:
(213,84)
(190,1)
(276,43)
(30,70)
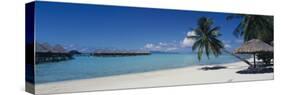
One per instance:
(265,57)
(254,27)
(206,38)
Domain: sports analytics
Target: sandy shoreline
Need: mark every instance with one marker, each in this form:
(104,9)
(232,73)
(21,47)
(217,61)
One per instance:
(171,77)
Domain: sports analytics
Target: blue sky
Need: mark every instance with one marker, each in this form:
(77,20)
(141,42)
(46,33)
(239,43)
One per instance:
(93,26)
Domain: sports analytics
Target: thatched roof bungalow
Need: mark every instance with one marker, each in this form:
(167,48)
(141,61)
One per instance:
(48,53)
(253,47)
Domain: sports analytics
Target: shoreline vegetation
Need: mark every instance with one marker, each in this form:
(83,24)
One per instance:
(169,77)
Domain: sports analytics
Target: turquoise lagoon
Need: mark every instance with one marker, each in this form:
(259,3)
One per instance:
(83,67)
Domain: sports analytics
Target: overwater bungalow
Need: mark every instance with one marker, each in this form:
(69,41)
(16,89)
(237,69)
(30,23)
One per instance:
(120,53)
(47,53)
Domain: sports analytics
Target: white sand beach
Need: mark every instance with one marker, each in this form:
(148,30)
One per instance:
(172,77)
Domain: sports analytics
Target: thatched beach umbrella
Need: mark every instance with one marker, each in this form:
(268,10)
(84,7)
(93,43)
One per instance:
(254,46)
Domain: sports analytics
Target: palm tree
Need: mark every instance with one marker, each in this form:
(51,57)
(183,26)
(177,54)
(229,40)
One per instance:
(254,27)
(206,39)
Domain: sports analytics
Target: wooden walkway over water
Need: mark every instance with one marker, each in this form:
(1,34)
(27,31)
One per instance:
(43,57)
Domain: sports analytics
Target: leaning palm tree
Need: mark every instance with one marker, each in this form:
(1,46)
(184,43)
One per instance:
(255,27)
(206,39)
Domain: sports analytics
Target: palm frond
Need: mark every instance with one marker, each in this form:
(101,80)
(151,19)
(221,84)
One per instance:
(206,40)
(254,27)
(195,45)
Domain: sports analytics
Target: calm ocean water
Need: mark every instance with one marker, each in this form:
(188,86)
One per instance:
(83,67)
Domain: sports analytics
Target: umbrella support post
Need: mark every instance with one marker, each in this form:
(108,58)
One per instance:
(254,60)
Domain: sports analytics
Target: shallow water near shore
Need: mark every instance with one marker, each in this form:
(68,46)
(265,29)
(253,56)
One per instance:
(83,67)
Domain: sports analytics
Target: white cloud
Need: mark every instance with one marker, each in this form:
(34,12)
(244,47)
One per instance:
(172,46)
(149,46)
(152,47)
(191,33)
(157,47)
(188,42)
(161,46)
(227,45)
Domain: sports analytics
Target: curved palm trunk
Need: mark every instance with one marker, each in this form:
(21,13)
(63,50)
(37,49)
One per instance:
(244,60)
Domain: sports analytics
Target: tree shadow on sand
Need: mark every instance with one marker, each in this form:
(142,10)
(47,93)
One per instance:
(213,68)
(259,69)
